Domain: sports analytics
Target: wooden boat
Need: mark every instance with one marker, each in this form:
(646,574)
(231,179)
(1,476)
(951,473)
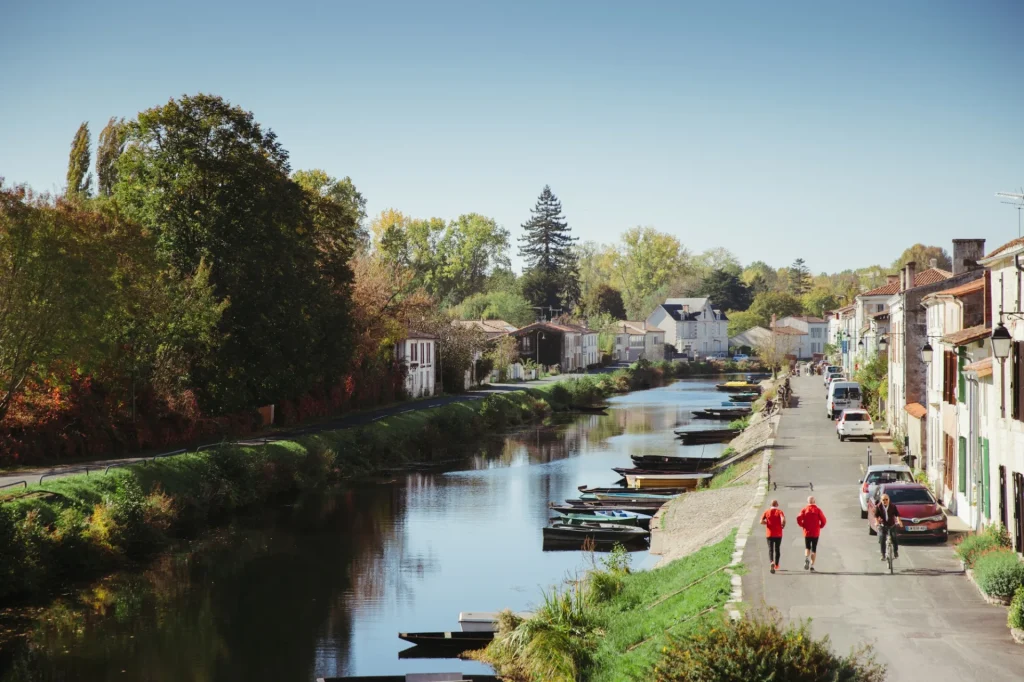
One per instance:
(640,471)
(600,533)
(623,518)
(640,506)
(706,436)
(728,413)
(632,495)
(745,397)
(641,481)
(676,463)
(739,387)
(449,641)
(668,491)
(484,621)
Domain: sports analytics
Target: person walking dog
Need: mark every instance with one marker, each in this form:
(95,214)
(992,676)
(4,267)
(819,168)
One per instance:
(812,520)
(774,521)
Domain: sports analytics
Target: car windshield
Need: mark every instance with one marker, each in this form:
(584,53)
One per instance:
(844,393)
(832,369)
(888,476)
(856,417)
(910,496)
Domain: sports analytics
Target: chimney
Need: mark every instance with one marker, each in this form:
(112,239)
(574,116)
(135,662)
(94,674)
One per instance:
(892,279)
(933,263)
(903,280)
(966,254)
(908,276)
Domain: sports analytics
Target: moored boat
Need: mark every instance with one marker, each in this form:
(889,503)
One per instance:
(689,481)
(694,464)
(600,533)
(668,491)
(622,518)
(630,495)
(450,641)
(739,387)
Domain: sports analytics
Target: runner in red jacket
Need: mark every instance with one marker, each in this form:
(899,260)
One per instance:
(774,521)
(812,520)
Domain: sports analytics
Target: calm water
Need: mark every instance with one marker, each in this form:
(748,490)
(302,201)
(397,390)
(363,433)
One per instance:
(322,586)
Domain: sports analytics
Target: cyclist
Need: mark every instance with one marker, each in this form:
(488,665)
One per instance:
(887,516)
(774,520)
(812,520)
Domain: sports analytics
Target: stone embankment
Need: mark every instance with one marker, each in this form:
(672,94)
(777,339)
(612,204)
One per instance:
(705,517)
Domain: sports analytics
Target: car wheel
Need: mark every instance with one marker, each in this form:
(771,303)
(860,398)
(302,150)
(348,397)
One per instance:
(871,439)
(871,531)
(864,514)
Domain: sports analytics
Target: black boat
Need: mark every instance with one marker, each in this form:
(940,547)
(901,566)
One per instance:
(640,507)
(600,533)
(651,471)
(683,464)
(454,641)
(706,436)
(723,414)
(648,491)
(745,397)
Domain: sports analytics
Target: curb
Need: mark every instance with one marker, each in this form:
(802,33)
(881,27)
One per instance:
(747,524)
(994,601)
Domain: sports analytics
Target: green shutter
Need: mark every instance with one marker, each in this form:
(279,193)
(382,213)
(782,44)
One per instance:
(985,480)
(962,464)
(961,382)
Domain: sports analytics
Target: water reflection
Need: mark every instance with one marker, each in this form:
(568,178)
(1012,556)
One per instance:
(320,587)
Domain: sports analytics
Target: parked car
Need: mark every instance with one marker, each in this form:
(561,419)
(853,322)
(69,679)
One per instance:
(740,358)
(921,515)
(833,377)
(831,369)
(842,395)
(717,357)
(878,474)
(855,424)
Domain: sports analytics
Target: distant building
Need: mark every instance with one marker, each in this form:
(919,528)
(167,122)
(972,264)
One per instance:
(751,338)
(814,337)
(636,340)
(571,347)
(692,325)
(493,330)
(418,352)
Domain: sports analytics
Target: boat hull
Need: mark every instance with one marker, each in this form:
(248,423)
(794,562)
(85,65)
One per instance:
(688,481)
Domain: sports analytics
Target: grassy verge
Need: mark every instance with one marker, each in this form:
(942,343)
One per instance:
(612,624)
(728,477)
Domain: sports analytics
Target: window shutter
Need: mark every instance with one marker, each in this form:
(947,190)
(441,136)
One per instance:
(986,480)
(962,465)
(961,381)
(1016,385)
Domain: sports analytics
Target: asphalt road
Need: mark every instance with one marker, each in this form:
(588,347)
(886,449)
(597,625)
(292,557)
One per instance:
(925,622)
(94,468)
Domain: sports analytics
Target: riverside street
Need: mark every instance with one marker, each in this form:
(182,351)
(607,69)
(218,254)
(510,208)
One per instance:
(925,622)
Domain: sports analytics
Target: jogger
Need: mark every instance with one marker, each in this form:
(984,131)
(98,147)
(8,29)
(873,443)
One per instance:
(774,521)
(812,520)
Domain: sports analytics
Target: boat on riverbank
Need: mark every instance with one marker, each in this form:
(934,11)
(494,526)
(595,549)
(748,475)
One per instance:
(706,436)
(640,471)
(687,481)
(630,495)
(649,507)
(744,397)
(739,387)
(667,491)
(722,413)
(449,642)
(622,518)
(602,534)
(694,464)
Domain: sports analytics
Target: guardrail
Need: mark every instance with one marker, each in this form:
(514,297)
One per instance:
(11,485)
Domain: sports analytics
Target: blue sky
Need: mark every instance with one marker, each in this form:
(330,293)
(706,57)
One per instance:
(839,132)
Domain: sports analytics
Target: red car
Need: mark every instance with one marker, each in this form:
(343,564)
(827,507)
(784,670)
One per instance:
(921,515)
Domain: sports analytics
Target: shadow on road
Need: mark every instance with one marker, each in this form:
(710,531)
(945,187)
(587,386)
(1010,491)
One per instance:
(884,572)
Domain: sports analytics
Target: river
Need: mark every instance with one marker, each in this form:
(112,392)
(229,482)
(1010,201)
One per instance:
(321,587)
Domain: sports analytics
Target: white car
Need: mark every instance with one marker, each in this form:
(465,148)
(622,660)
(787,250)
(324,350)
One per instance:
(740,358)
(881,473)
(855,424)
(831,369)
(832,376)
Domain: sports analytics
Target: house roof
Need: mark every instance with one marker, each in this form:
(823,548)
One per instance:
(694,304)
(553,327)
(413,334)
(788,331)
(982,367)
(491,328)
(915,410)
(631,327)
(929,276)
(966,336)
(805,318)
(879,316)
(964,289)
(845,309)
(1006,247)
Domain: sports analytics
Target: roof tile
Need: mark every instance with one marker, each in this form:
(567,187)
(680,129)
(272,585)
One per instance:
(929,276)
(966,336)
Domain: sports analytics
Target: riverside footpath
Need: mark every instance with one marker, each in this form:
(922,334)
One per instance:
(926,621)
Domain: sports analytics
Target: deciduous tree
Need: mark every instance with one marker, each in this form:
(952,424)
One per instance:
(79,178)
(109,150)
(922,256)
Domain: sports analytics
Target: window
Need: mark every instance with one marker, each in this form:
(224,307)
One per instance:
(900,496)
(947,464)
(413,356)
(950,368)
(636,340)
(880,307)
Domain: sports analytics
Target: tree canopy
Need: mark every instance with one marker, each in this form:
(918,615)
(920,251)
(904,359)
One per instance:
(922,255)
(79,178)
(547,249)
(726,290)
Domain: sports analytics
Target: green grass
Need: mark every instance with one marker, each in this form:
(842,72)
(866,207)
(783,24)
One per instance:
(732,472)
(651,605)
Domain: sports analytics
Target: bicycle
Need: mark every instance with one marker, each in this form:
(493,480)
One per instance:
(890,552)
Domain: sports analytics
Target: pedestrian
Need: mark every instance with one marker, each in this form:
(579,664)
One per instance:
(774,521)
(812,520)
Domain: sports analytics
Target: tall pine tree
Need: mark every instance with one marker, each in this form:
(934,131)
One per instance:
(547,248)
(799,278)
(79,177)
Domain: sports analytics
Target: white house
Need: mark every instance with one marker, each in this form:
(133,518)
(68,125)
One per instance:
(751,338)
(692,325)
(571,347)
(417,352)
(635,340)
(1003,420)
(815,334)
(493,330)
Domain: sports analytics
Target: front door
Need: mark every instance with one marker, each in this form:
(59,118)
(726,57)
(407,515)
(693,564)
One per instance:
(1002,497)
(1018,510)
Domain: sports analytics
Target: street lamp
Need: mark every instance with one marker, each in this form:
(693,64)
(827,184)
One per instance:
(882,344)
(1001,342)
(926,353)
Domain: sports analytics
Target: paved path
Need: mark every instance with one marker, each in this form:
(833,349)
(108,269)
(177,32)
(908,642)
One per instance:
(344,422)
(926,622)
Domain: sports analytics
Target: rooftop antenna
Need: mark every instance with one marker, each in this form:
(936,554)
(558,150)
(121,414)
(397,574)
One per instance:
(1017,201)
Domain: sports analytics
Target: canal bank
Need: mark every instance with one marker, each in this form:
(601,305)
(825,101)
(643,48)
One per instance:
(322,584)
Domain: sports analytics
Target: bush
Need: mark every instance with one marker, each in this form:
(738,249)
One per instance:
(999,573)
(1015,618)
(973,546)
(760,649)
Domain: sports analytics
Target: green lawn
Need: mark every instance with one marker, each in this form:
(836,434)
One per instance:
(653,603)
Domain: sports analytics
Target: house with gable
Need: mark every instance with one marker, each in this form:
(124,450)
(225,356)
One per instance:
(693,326)
(812,337)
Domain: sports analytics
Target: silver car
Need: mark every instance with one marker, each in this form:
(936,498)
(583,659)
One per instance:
(881,473)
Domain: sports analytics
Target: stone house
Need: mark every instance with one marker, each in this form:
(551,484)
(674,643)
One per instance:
(693,326)
(635,340)
(814,334)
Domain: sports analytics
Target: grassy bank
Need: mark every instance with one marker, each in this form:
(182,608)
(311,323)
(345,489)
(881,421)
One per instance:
(612,624)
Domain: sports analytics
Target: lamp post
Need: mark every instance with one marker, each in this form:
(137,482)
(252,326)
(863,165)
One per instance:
(1001,342)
